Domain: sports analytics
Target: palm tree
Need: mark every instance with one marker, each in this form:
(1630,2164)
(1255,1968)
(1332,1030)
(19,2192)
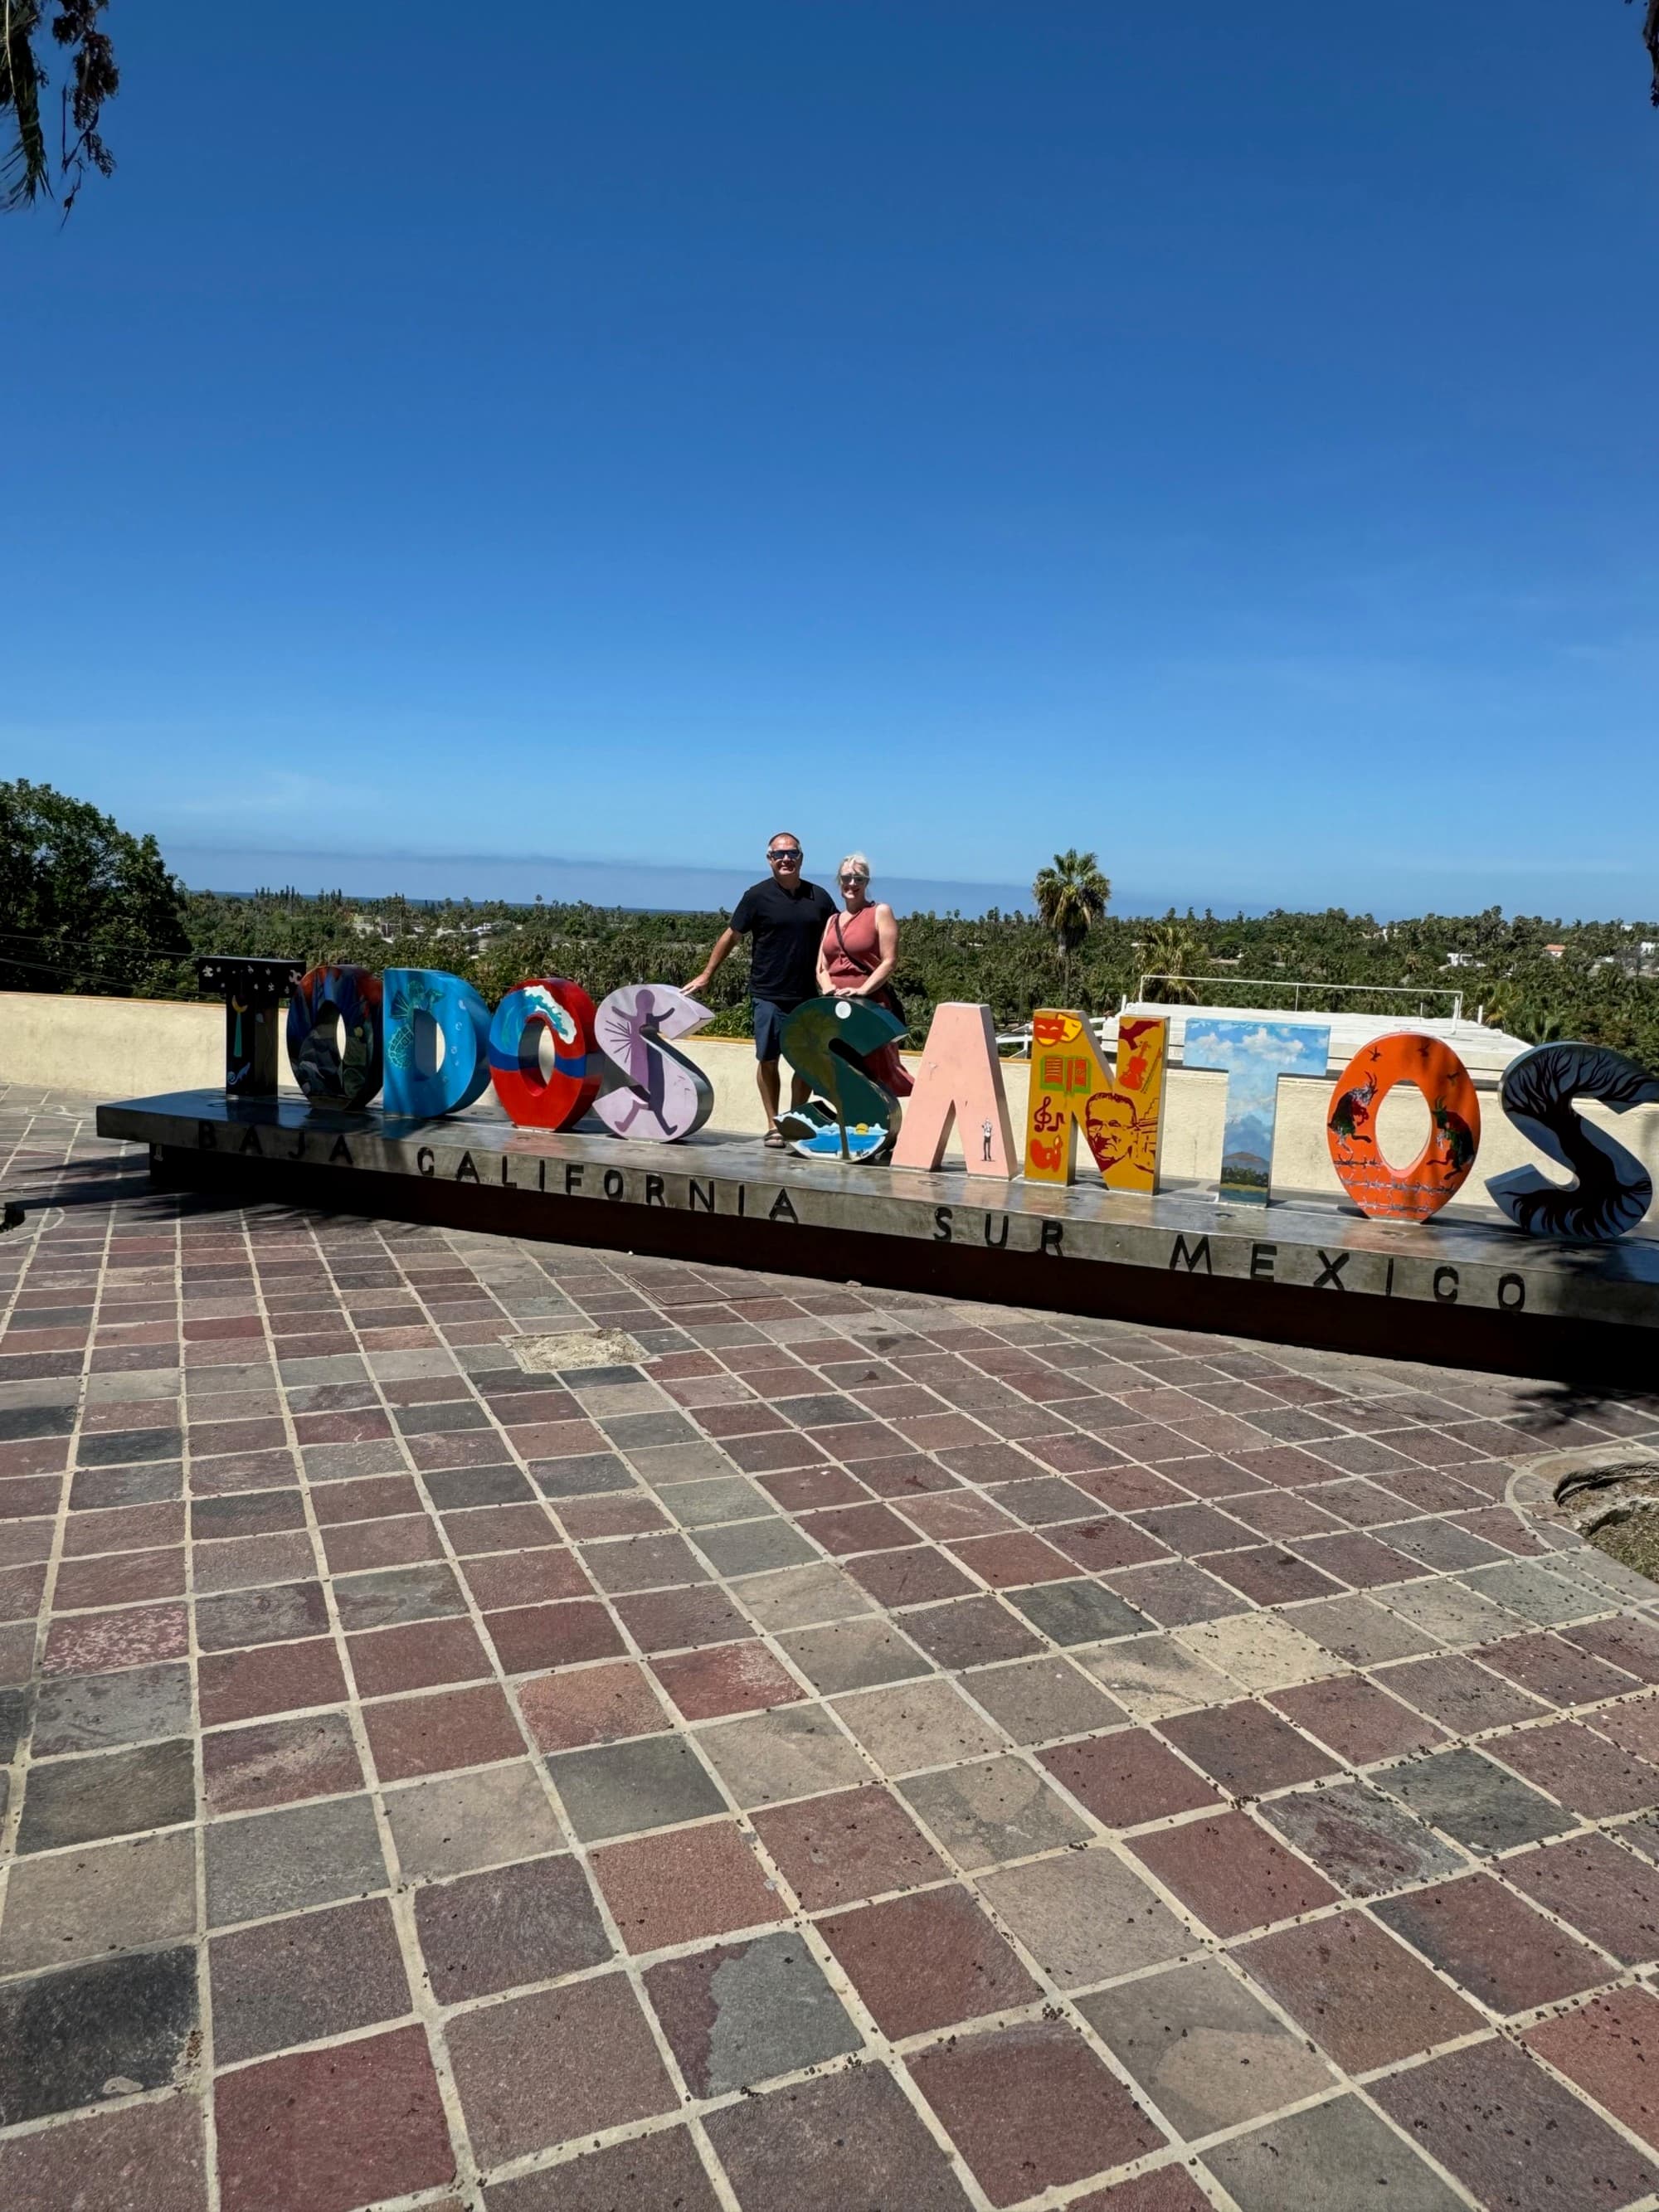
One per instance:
(1071,896)
(1173,947)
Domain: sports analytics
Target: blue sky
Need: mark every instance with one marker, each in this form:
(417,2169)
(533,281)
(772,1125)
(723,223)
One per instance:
(1221,437)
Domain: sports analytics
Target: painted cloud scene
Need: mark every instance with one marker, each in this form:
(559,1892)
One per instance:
(1255,1054)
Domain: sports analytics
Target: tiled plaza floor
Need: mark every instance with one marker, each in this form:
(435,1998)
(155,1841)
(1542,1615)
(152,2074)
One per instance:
(868,1751)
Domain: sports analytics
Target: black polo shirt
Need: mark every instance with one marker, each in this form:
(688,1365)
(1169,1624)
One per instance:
(787,929)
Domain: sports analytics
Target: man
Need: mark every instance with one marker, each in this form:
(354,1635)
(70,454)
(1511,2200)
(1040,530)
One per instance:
(785,916)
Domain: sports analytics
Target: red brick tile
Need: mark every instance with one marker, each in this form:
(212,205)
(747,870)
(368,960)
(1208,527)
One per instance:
(1248,1749)
(96,1643)
(1358,1720)
(1607,1893)
(869,1527)
(1512,2136)
(449,1728)
(615,1514)
(1031,2107)
(726,1678)
(1269,1575)
(534,1922)
(419,1655)
(1609,2047)
(1231,1873)
(530,1637)
(401,1541)
(591,1704)
(1630,1644)
(279,1763)
(927,1961)
(332,2129)
(513,1578)
(844,2140)
(704,1880)
(849,1845)
(800,1490)
(666,1620)
(1552,1668)
(1105,1543)
(1492,1943)
(1362,1996)
(1128,1776)
(1459,1693)
(1590,1776)
(125,1528)
(146,2158)
(1167,2189)
(365,1497)
(555,2066)
(474,1529)
(912,1577)
(272,1678)
(120,1578)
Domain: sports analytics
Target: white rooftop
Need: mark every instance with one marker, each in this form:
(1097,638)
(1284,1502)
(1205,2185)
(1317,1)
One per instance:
(1483,1051)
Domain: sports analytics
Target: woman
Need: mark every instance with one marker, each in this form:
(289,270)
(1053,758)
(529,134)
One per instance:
(858,953)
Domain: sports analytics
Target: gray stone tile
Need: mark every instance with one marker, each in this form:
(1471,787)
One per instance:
(1367,1845)
(796,1752)
(1449,1612)
(79,1904)
(1152,1677)
(65,2036)
(1085,1917)
(1079,1612)
(1473,1801)
(112,1793)
(997,1810)
(456,1823)
(751,1547)
(393,1595)
(707,1504)
(297,1857)
(796,1597)
(925,1723)
(853,1654)
(97,1712)
(1206,2050)
(743,2013)
(1037,1700)
(619,1789)
(1338,2154)
(1523,1587)
(1360,1631)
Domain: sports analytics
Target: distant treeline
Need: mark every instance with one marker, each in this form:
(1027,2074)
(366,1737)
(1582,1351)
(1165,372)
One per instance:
(1603,986)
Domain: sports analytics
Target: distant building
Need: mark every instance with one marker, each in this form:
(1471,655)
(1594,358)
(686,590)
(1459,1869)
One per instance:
(1553,952)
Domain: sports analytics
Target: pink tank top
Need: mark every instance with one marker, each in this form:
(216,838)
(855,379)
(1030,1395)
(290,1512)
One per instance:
(858,933)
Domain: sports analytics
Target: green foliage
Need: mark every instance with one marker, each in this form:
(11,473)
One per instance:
(90,78)
(126,928)
(1071,897)
(83,906)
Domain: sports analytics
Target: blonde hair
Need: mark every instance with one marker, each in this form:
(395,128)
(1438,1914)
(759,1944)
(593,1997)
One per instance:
(856,862)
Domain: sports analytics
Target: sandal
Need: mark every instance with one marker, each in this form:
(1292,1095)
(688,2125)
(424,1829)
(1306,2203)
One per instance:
(775,1141)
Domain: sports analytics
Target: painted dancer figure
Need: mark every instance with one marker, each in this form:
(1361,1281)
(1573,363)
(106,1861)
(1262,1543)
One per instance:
(1350,1121)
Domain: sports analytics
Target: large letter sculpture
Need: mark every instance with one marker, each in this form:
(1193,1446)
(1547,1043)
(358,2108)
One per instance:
(662,1094)
(1613,1190)
(825,1040)
(1413,1193)
(325,1000)
(1121,1116)
(424,1003)
(252,990)
(545,1004)
(960,1080)
(1253,1055)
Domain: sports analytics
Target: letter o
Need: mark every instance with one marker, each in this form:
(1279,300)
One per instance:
(351,994)
(1437,1174)
(528,1097)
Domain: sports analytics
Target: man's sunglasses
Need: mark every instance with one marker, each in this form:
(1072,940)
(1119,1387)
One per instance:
(786,852)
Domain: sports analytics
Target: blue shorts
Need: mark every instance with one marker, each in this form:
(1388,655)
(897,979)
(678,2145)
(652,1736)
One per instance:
(770,1015)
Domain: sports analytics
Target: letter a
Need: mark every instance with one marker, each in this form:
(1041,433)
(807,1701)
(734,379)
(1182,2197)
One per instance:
(960,1081)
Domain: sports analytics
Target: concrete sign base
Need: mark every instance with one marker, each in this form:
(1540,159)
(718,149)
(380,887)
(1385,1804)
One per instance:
(1456,1291)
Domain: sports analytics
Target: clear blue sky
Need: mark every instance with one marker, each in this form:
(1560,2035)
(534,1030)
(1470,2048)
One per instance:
(1224,437)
